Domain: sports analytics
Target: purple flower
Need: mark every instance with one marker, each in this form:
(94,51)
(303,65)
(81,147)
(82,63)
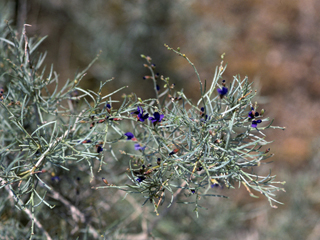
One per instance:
(130,136)
(255,123)
(158,88)
(139,110)
(222,92)
(157,117)
(140,115)
(137,146)
(140,179)
(252,114)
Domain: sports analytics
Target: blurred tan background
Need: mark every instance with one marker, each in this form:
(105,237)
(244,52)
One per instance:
(275,43)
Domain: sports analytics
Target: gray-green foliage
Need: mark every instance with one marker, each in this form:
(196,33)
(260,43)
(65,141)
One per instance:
(192,149)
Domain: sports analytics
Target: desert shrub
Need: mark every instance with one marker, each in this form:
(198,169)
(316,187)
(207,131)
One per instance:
(54,138)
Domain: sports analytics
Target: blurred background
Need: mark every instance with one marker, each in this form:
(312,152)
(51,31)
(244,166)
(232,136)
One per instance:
(275,43)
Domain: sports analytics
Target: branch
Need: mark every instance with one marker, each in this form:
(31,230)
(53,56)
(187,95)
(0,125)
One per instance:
(28,212)
(76,214)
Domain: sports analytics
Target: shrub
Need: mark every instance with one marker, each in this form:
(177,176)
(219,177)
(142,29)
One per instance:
(169,144)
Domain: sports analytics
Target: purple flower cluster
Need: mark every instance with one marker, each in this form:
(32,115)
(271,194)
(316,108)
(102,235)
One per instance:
(157,117)
(252,115)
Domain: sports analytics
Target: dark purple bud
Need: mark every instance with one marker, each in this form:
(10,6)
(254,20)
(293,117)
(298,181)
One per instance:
(99,149)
